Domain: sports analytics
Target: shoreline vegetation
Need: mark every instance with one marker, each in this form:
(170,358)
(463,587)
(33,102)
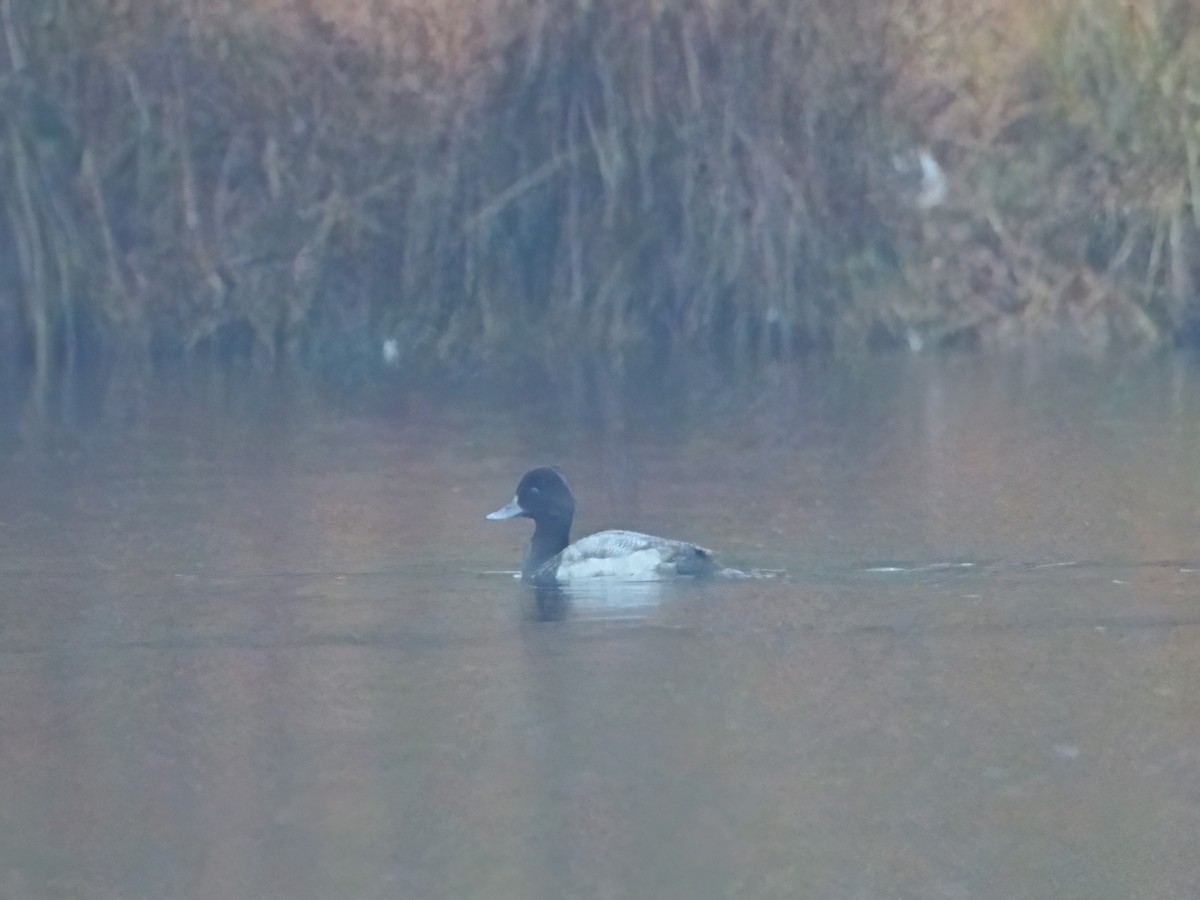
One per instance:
(313,181)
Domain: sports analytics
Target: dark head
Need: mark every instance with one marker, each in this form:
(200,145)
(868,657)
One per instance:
(542,495)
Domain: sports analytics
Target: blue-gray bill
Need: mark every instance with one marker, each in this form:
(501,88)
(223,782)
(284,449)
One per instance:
(507,512)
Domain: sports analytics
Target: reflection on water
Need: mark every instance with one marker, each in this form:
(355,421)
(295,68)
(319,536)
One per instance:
(601,598)
(253,641)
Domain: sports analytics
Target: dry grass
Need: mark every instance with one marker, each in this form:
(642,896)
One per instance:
(303,179)
(1069,129)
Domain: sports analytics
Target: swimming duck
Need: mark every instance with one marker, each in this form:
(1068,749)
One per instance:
(543,495)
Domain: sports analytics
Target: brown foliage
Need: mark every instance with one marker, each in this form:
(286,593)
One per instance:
(309,177)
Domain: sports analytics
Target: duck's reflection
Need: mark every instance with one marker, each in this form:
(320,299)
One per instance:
(549,604)
(596,598)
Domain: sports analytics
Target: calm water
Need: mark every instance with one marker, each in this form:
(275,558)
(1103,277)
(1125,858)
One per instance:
(253,643)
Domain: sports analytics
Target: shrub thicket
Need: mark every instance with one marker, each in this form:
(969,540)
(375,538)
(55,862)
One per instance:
(186,178)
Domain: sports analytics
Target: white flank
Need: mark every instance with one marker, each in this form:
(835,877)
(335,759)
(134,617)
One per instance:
(641,564)
(626,555)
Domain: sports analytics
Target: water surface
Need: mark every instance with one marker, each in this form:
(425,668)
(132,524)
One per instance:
(253,643)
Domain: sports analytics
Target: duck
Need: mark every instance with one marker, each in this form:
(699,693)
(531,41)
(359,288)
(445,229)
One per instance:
(551,559)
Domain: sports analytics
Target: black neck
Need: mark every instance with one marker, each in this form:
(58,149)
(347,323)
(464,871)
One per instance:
(550,538)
